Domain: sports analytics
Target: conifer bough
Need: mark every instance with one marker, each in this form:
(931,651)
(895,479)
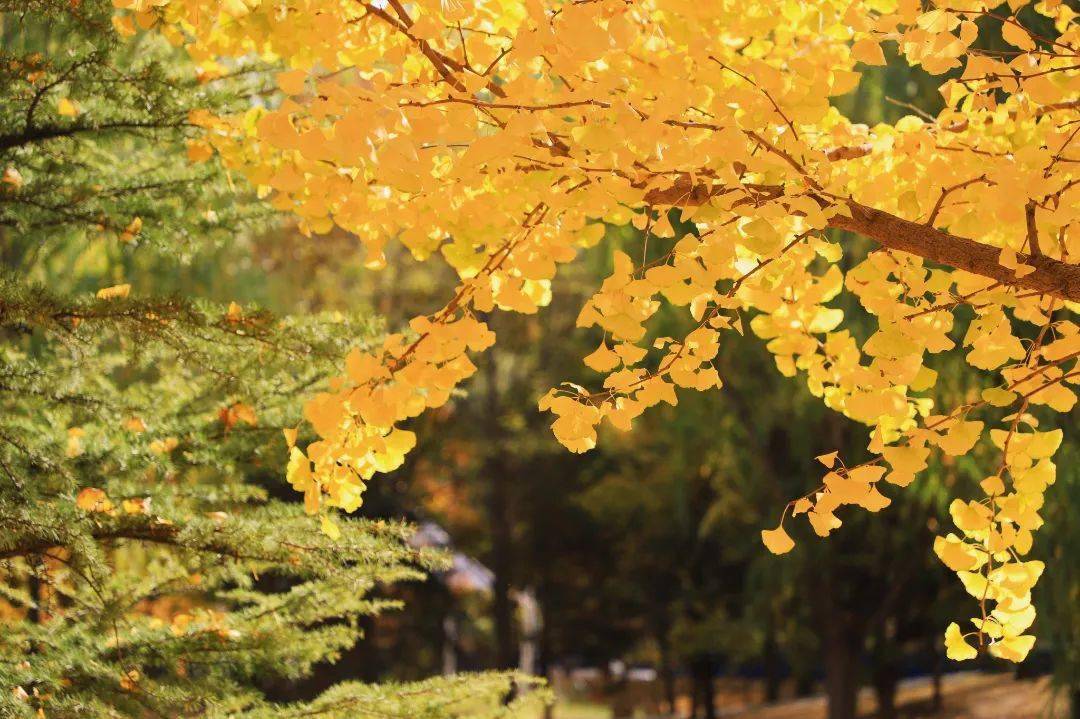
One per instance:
(146,571)
(506,136)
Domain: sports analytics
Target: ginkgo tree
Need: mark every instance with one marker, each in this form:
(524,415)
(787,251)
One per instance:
(504,135)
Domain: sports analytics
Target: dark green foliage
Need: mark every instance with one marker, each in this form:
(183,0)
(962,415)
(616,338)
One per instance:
(1059,596)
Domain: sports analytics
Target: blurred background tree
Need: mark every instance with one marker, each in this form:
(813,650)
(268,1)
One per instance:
(651,557)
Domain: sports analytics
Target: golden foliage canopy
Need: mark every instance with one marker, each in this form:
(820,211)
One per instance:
(503,134)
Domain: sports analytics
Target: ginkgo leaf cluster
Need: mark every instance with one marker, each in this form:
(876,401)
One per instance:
(504,135)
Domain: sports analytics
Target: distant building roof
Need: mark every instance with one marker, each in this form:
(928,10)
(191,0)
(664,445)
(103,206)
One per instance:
(465,574)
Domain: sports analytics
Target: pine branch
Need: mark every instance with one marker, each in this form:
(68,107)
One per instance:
(52,132)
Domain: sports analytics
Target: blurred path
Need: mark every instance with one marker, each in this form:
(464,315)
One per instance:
(967,696)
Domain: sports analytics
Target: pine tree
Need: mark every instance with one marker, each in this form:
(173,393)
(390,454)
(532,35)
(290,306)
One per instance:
(146,568)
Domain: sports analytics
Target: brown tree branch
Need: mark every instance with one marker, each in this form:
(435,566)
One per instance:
(1032,229)
(144,531)
(41,134)
(1052,277)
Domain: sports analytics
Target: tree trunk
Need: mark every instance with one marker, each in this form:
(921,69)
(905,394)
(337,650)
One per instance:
(704,675)
(502,607)
(1075,696)
(709,696)
(449,650)
(35,588)
(937,699)
(498,511)
(885,667)
(499,527)
(885,692)
(667,675)
(842,647)
(771,661)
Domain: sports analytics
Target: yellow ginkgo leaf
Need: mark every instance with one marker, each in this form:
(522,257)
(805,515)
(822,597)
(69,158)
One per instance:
(998,397)
(129,680)
(92,499)
(971,516)
(245,413)
(1015,623)
(199,151)
(1015,649)
(68,108)
(114,292)
(75,442)
(131,231)
(12,177)
(777,540)
(604,359)
(1014,34)
(124,25)
(135,424)
(164,445)
(956,647)
(823,522)
(956,554)
(828,459)
(329,528)
(136,506)
(868,51)
(960,438)
(993,485)
(291,82)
